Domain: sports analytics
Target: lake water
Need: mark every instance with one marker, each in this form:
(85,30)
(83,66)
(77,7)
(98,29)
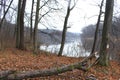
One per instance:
(72,49)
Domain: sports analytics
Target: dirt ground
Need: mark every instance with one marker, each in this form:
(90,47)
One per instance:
(13,59)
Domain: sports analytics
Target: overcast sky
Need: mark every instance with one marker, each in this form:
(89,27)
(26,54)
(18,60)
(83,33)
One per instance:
(84,14)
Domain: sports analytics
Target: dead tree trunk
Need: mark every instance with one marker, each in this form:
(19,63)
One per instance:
(14,75)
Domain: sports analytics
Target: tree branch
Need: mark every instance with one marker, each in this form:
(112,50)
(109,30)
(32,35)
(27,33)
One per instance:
(5,14)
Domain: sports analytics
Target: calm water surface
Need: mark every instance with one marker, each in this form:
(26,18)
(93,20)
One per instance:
(72,49)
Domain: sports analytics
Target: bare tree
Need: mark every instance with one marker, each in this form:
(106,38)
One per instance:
(97,28)
(69,9)
(39,16)
(104,55)
(5,12)
(2,17)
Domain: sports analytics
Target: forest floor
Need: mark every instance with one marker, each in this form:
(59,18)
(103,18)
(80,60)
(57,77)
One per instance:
(13,59)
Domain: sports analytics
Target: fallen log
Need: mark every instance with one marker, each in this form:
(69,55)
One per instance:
(14,75)
(4,74)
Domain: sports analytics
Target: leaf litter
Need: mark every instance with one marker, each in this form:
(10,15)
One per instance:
(14,59)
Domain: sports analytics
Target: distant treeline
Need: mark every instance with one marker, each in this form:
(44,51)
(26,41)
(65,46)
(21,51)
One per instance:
(88,32)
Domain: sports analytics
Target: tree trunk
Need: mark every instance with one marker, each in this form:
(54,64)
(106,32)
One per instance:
(22,11)
(1,2)
(14,75)
(31,21)
(97,27)
(104,55)
(64,29)
(36,27)
(18,25)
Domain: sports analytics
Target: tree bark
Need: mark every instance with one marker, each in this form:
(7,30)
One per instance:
(4,74)
(64,30)
(104,55)
(36,27)
(22,11)
(14,75)
(18,25)
(31,21)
